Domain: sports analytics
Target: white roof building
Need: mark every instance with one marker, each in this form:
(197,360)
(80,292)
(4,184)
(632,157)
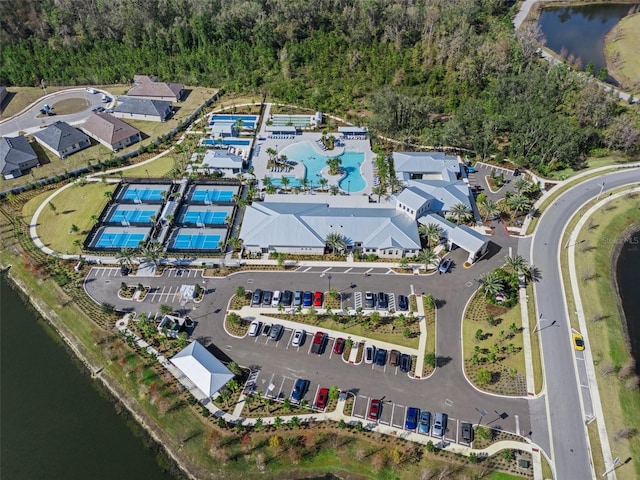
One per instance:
(445,194)
(463,236)
(425,165)
(202,368)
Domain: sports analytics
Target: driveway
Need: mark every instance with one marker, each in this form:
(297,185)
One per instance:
(480,178)
(27,120)
(447,390)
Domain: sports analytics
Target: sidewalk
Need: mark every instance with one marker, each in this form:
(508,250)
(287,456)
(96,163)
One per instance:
(526,342)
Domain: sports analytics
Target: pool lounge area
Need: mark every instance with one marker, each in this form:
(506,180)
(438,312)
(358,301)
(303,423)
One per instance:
(190,239)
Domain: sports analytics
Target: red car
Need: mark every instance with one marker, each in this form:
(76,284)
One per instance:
(317,299)
(374,409)
(321,399)
(338,346)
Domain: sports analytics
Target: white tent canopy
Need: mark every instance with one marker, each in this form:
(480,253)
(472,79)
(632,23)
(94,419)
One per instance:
(202,368)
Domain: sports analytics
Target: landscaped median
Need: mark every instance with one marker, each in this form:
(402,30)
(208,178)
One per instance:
(595,247)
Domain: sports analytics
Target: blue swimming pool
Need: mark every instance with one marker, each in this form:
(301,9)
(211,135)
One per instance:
(119,240)
(225,141)
(247,120)
(206,218)
(143,194)
(132,216)
(314,162)
(187,241)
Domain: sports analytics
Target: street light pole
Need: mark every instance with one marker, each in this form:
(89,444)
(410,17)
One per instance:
(348,187)
(601,189)
(329,278)
(616,461)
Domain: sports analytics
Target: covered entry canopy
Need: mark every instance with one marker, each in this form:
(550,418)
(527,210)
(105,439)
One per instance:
(202,368)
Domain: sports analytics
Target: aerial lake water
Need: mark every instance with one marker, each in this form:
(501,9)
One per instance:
(628,279)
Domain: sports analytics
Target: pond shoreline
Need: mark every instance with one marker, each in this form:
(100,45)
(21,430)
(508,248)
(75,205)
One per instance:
(627,83)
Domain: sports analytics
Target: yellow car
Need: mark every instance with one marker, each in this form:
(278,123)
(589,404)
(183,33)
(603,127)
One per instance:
(578,342)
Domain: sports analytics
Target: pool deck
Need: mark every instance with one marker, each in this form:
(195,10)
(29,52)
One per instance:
(260,158)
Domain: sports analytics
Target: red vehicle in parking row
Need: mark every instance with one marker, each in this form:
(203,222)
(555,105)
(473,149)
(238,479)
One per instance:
(322,398)
(317,299)
(319,342)
(374,409)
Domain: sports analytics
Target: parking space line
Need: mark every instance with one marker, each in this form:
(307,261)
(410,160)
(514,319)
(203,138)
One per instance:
(281,385)
(348,270)
(307,269)
(313,401)
(310,345)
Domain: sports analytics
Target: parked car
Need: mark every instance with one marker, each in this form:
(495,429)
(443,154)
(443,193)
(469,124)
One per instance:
(374,409)
(297,298)
(267,295)
(381,357)
(467,432)
(425,422)
(405,362)
(383,300)
(287,298)
(369,354)
(319,342)
(338,346)
(516,173)
(394,358)
(403,303)
(256,298)
(254,328)
(276,332)
(411,420)
(307,299)
(444,265)
(369,300)
(299,390)
(98,110)
(298,338)
(470,168)
(266,329)
(578,341)
(322,398)
(91,90)
(317,299)
(439,424)
(277,297)
(124,270)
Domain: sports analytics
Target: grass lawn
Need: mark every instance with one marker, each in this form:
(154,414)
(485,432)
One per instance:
(32,205)
(622,44)
(156,169)
(607,339)
(507,370)
(69,106)
(430,317)
(74,206)
(592,162)
(535,340)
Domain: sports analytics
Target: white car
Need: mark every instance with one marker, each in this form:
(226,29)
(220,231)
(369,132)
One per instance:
(254,328)
(298,338)
(369,354)
(91,90)
(276,299)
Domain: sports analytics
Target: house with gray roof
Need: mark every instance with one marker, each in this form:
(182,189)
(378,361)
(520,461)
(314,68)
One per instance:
(301,225)
(16,157)
(461,236)
(444,194)
(413,201)
(425,166)
(62,139)
(142,109)
(148,87)
(110,131)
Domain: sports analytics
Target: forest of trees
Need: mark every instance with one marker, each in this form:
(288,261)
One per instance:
(432,71)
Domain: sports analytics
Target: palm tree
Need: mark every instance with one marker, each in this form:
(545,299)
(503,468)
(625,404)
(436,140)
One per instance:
(334,165)
(323,182)
(531,273)
(428,257)
(271,189)
(285,181)
(126,256)
(152,252)
(266,181)
(235,243)
(515,263)
(271,152)
(460,212)
(430,231)
(518,203)
(489,208)
(304,183)
(522,186)
(491,284)
(335,241)
(379,190)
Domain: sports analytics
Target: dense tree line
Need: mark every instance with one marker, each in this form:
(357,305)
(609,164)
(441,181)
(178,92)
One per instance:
(435,71)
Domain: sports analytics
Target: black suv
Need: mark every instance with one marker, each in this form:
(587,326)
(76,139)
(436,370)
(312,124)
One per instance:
(383,300)
(287,298)
(405,362)
(467,432)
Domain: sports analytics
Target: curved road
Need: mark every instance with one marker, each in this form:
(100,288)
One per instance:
(569,449)
(28,121)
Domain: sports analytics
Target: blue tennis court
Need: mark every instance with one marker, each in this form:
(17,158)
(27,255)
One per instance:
(186,241)
(207,218)
(206,196)
(119,240)
(132,216)
(143,194)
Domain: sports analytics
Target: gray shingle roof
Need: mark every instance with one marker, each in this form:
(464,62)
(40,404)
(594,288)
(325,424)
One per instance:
(146,86)
(142,106)
(60,135)
(14,152)
(108,128)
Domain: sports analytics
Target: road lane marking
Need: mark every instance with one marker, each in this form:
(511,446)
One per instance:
(348,270)
(517,424)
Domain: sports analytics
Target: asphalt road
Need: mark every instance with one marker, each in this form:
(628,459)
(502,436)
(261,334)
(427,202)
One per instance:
(568,442)
(447,390)
(29,121)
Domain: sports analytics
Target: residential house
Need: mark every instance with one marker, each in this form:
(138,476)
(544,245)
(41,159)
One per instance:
(110,131)
(426,166)
(148,87)
(62,139)
(16,157)
(142,109)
